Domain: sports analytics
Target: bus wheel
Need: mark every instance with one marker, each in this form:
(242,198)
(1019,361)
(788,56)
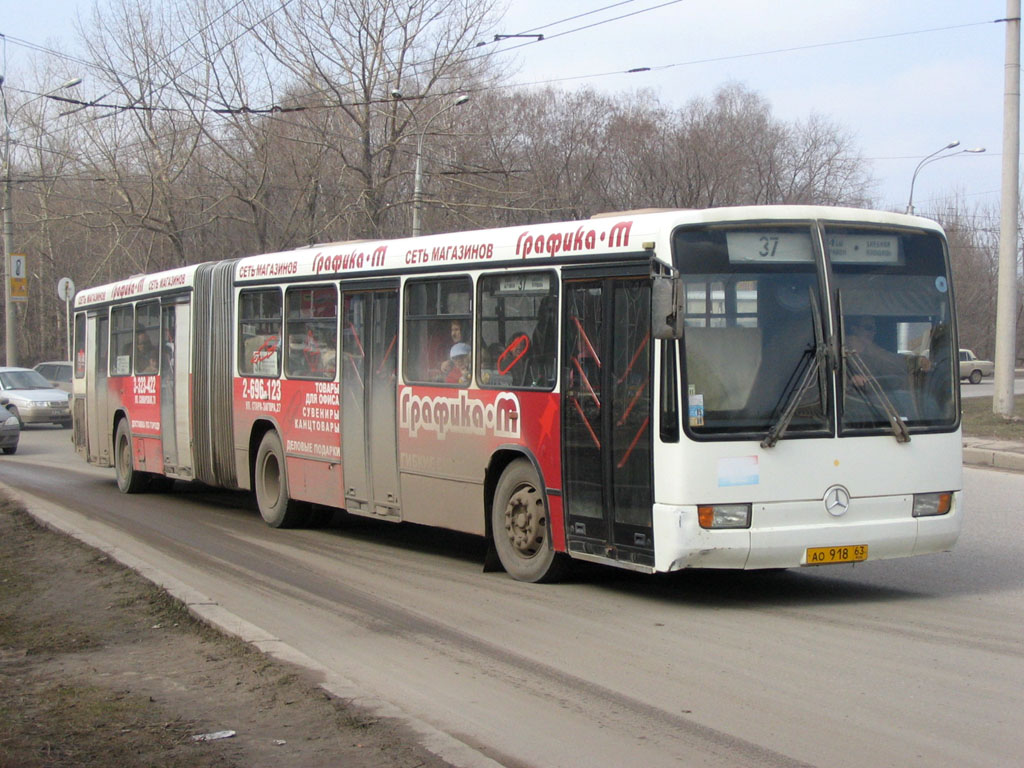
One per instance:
(521,527)
(129,480)
(276,508)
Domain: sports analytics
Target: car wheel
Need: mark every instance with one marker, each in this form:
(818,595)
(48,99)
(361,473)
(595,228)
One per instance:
(11,450)
(975,377)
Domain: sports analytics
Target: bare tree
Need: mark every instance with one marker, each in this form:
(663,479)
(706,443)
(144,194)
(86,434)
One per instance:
(350,57)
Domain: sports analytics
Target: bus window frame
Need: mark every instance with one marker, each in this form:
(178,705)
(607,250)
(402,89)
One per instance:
(436,322)
(123,336)
(512,355)
(142,309)
(309,323)
(272,351)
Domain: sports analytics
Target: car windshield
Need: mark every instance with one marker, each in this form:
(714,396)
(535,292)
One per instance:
(23,380)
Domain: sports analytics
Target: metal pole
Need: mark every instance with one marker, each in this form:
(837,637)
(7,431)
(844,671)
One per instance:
(417,187)
(920,165)
(10,318)
(1006,295)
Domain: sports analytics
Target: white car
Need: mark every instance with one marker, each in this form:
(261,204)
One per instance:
(972,368)
(57,372)
(31,398)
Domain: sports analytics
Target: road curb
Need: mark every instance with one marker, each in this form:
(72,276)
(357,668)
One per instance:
(986,457)
(210,612)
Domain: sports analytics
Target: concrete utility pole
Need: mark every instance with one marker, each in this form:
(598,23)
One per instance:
(10,312)
(1006,295)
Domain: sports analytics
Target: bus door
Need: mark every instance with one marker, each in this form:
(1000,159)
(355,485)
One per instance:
(174,373)
(369,392)
(606,407)
(99,439)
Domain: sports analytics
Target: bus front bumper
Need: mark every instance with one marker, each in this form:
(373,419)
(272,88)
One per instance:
(781,534)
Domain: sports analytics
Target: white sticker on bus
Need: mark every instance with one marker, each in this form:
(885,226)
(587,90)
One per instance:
(738,470)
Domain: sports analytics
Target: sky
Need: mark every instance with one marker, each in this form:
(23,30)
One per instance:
(904,78)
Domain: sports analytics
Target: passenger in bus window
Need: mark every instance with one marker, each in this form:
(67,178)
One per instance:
(459,364)
(457,336)
(146,354)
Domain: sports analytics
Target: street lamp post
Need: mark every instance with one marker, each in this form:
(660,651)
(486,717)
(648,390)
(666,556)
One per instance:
(10,316)
(417,185)
(931,159)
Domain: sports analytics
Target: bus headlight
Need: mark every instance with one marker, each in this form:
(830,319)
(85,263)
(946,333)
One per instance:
(929,504)
(724,515)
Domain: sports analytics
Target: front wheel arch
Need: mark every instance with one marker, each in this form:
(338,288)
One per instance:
(520,525)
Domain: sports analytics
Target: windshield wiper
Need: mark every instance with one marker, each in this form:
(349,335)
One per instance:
(814,370)
(872,385)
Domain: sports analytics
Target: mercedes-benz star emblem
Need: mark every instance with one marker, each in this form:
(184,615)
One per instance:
(837,500)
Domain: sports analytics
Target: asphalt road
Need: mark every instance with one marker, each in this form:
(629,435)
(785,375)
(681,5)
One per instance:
(987,388)
(914,662)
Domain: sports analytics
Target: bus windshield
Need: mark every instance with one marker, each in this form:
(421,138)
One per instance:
(895,327)
(760,348)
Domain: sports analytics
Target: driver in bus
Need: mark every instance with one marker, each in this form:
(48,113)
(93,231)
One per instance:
(860,337)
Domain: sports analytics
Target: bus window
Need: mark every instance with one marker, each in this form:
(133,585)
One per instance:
(311,327)
(259,333)
(438,331)
(122,329)
(147,338)
(517,328)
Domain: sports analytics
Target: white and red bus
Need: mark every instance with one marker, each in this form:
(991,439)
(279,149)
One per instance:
(756,387)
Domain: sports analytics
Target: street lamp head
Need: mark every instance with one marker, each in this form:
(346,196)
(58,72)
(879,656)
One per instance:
(954,143)
(70,83)
(396,94)
(975,150)
(462,100)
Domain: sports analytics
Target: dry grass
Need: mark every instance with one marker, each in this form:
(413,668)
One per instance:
(979,421)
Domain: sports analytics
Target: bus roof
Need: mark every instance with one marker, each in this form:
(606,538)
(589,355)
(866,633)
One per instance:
(627,232)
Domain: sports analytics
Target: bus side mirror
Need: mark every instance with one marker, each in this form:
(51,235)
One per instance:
(666,307)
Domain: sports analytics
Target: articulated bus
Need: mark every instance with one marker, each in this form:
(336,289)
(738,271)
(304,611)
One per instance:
(750,387)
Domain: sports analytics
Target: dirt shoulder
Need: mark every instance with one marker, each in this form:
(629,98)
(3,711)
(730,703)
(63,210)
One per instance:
(99,667)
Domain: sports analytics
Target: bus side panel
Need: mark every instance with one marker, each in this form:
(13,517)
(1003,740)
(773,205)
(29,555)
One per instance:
(447,437)
(305,414)
(310,425)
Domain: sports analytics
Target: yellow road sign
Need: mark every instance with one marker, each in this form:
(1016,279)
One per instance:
(19,278)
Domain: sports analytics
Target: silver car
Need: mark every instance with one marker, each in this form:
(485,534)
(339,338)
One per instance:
(31,398)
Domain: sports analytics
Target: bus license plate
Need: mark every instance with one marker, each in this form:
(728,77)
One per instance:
(826,555)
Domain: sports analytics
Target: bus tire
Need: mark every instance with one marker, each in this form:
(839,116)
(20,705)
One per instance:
(521,526)
(277,509)
(129,479)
